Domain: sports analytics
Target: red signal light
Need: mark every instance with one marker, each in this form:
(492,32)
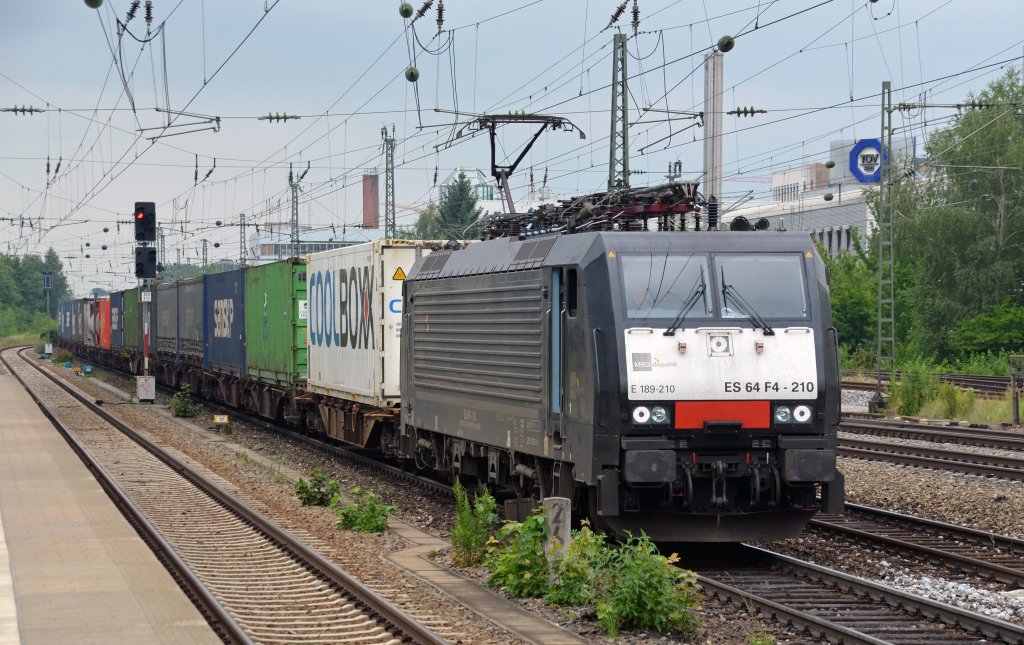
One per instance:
(139,215)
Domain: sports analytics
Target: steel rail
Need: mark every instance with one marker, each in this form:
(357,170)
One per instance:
(381,606)
(219,618)
(911,541)
(772,570)
(968,463)
(982,437)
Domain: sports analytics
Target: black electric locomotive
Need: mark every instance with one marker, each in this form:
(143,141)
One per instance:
(681,383)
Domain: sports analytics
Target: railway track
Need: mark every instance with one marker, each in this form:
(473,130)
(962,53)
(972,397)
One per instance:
(904,429)
(935,458)
(970,551)
(828,604)
(258,582)
(329,448)
(985,386)
(838,607)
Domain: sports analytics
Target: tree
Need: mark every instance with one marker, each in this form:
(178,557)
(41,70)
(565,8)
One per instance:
(994,330)
(457,211)
(853,286)
(453,218)
(10,295)
(959,222)
(22,299)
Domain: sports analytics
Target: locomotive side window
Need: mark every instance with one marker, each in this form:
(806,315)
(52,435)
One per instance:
(772,285)
(570,293)
(658,285)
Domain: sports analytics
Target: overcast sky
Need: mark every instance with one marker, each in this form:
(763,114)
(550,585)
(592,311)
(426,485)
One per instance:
(340,66)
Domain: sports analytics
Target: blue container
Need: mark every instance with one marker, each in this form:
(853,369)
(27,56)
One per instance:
(87,369)
(225,323)
(117,320)
(60,320)
(191,319)
(167,320)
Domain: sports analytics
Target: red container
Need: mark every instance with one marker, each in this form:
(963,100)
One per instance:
(105,323)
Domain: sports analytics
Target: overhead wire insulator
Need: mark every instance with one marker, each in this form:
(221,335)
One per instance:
(636,17)
(132,10)
(210,171)
(621,9)
(440,15)
(424,9)
(149,13)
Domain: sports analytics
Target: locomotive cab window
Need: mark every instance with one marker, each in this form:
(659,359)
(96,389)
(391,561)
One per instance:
(660,285)
(771,285)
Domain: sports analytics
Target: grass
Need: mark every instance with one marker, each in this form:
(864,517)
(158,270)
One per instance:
(272,473)
(988,411)
(19,339)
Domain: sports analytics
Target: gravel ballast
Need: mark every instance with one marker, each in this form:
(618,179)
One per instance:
(943,496)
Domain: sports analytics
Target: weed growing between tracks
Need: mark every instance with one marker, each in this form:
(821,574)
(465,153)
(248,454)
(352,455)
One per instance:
(631,586)
(320,490)
(473,523)
(272,473)
(366,514)
(182,404)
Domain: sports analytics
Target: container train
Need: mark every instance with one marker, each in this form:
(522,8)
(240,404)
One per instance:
(684,384)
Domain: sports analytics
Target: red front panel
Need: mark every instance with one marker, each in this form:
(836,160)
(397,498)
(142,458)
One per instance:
(105,323)
(691,415)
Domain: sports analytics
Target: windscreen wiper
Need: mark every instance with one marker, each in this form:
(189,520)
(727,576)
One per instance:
(755,319)
(697,293)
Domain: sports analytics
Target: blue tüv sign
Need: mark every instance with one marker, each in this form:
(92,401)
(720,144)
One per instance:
(866,161)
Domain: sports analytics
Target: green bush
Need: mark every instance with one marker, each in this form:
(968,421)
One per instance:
(632,586)
(956,403)
(913,389)
(472,526)
(983,364)
(857,358)
(643,589)
(182,404)
(62,356)
(40,348)
(516,560)
(576,570)
(366,514)
(320,490)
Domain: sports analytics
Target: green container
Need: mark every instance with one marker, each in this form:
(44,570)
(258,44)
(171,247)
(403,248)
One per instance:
(275,331)
(132,339)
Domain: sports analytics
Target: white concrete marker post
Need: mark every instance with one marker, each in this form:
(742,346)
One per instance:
(558,516)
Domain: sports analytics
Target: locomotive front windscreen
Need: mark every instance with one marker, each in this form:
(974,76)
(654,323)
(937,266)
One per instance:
(660,284)
(724,286)
(772,286)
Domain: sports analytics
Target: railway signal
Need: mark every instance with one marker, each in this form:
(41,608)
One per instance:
(145,222)
(145,262)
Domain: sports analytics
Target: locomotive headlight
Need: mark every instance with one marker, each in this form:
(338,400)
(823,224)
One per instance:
(802,414)
(783,414)
(659,414)
(641,415)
